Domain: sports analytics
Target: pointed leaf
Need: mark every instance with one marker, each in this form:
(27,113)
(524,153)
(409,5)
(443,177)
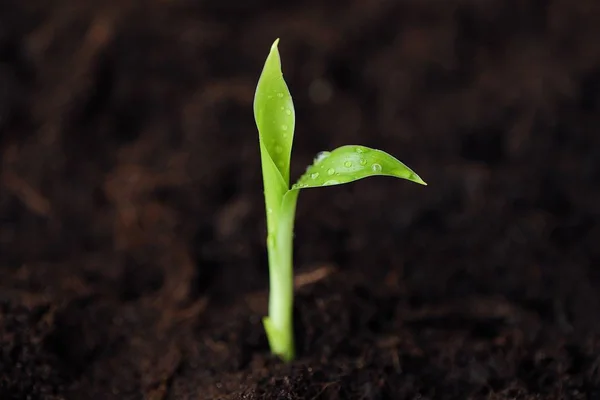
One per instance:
(350,163)
(274,113)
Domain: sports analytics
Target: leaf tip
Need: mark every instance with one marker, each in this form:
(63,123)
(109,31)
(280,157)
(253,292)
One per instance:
(273,62)
(417,179)
(275,44)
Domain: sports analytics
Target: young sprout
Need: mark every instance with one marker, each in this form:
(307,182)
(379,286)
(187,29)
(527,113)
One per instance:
(275,120)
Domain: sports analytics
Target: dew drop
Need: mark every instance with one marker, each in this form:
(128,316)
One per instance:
(363,162)
(282,108)
(348,164)
(330,171)
(376,168)
(280,95)
(269,211)
(284,127)
(278,149)
(314,175)
(360,150)
(288,111)
(331,182)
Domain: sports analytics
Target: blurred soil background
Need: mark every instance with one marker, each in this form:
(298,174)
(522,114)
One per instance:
(132,258)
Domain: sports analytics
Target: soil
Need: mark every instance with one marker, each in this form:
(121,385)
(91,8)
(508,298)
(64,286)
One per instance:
(132,256)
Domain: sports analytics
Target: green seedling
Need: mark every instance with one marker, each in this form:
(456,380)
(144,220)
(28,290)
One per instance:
(275,120)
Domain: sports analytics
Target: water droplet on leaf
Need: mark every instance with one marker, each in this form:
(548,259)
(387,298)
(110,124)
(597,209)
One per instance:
(331,182)
(280,95)
(284,127)
(376,168)
(330,171)
(363,162)
(314,175)
(348,164)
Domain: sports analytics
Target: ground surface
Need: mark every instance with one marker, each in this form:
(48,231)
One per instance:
(132,261)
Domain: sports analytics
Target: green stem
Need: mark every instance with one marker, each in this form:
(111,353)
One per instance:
(279,323)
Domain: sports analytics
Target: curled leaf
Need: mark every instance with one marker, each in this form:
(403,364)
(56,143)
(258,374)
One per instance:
(274,113)
(350,163)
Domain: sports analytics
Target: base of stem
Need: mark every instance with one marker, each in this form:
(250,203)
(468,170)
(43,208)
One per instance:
(281,341)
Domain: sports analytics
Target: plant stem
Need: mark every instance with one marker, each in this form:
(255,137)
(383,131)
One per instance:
(279,324)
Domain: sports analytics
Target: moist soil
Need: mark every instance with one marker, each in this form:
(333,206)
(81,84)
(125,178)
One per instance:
(132,234)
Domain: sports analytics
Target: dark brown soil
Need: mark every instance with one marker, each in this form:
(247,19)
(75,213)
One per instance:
(132,258)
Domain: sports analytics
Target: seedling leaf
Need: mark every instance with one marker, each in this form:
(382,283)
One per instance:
(350,163)
(274,113)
